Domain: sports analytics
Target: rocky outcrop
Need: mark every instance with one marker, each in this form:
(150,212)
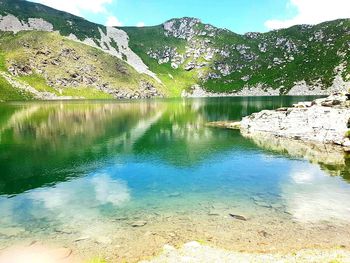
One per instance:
(322,120)
(12,23)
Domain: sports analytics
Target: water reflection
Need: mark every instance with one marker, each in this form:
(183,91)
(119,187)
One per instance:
(73,163)
(314,197)
(75,204)
(42,143)
(330,158)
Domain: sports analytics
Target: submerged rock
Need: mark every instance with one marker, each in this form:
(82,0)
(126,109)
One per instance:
(175,194)
(81,238)
(213,213)
(139,223)
(239,217)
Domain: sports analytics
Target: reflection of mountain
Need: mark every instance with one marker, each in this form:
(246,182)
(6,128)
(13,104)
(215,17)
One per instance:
(44,143)
(331,159)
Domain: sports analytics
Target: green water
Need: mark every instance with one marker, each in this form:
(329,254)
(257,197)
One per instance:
(64,165)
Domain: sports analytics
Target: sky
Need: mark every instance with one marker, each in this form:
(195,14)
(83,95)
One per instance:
(239,16)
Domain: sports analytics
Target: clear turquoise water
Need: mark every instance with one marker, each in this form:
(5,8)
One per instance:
(65,165)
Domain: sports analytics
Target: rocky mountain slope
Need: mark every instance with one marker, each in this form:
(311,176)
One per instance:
(46,53)
(298,60)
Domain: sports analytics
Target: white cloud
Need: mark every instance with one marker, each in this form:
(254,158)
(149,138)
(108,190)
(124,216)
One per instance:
(76,6)
(140,24)
(113,21)
(312,12)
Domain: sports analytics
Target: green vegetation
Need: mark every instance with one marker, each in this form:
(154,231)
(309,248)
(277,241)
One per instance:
(347,134)
(153,38)
(96,260)
(38,82)
(306,53)
(86,93)
(2,61)
(7,92)
(65,67)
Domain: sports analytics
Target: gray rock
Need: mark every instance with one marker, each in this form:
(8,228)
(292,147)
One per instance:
(239,217)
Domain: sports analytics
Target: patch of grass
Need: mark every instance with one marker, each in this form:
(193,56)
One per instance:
(8,93)
(114,44)
(347,134)
(202,242)
(2,61)
(96,260)
(124,57)
(86,92)
(38,82)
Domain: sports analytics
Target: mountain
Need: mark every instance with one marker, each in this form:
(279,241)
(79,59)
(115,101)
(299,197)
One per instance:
(300,59)
(46,53)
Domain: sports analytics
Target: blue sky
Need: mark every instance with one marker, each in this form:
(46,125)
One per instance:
(237,15)
(240,16)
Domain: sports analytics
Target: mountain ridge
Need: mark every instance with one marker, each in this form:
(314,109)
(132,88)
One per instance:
(186,57)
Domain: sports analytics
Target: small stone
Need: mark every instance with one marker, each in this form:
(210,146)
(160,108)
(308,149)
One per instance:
(213,213)
(175,194)
(122,218)
(263,204)
(263,233)
(239,217)
(138,223)
(81,238)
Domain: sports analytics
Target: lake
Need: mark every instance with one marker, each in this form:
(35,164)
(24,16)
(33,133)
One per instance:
(121,179)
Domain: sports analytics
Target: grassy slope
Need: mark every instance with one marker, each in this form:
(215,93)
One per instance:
(153,37)
(108,69)
(8,93)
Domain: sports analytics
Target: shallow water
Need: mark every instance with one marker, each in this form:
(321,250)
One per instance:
(82,173)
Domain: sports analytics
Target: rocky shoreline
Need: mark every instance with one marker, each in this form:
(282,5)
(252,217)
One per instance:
(324,121)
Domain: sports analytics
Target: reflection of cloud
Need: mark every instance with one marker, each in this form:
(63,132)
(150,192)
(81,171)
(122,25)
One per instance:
(77,196)
(72,204)
(111,191)
(304,176)
(313,197)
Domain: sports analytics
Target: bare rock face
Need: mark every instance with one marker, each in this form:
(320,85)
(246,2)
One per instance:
(323,120)
(12,23)
(181,28)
